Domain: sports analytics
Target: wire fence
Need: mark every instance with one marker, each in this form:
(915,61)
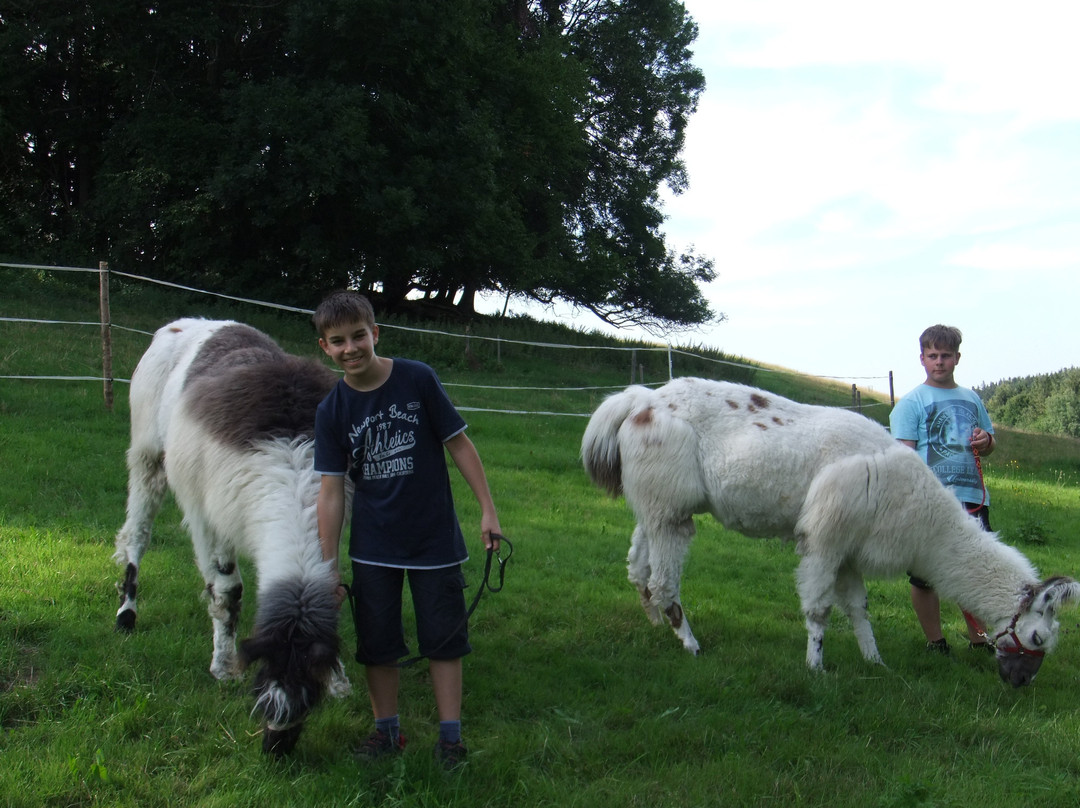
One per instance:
(668,354)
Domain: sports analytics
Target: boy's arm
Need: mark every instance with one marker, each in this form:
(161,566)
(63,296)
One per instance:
(982,438)
(331,516)
(467,460)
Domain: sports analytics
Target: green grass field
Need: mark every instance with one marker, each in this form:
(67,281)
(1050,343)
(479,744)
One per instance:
(571,697)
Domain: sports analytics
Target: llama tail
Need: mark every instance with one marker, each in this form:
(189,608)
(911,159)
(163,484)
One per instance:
(600,443)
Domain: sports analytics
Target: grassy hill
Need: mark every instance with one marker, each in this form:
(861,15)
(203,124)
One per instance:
(571,697)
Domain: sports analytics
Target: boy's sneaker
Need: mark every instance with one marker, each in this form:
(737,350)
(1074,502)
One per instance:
(378,745)
(450,754)
(938,646)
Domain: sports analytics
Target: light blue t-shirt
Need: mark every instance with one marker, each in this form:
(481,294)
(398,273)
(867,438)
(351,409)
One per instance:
(941,422)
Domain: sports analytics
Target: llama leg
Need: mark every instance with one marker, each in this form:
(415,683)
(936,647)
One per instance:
(851,592)
(816,584)
(224,588)
(638,571)
(669,545)
(146,489)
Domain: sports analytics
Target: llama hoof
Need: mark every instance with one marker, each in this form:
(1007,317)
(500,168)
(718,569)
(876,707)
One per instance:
(125,621)
(656,617)
(225,673)
(339,685)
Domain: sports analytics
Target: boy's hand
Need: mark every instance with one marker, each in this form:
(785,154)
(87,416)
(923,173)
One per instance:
(340,592)
(981,440)
(490,530)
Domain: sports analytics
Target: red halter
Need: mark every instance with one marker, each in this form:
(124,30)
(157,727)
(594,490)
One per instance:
(1009,632)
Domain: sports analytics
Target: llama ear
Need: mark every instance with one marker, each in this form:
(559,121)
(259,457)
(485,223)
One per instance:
(1058,591)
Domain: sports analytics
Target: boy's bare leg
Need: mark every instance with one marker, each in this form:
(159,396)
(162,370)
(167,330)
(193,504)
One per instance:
(928,610)
(382,683)
(446,682)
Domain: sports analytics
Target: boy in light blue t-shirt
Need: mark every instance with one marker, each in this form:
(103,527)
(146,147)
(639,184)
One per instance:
(944,422)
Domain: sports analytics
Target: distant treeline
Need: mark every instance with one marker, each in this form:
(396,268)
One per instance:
(1049,403)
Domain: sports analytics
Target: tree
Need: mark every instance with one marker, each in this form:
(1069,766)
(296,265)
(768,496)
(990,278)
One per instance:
(57,98)
(1047,403)
(416,148)
(643,88)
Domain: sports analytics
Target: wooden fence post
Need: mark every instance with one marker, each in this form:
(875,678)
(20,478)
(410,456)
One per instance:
(106,333)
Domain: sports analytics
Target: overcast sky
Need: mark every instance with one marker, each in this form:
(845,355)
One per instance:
(861,170)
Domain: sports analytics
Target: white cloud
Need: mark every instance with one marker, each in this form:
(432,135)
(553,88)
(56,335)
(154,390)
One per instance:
(1019,258)
(862,168)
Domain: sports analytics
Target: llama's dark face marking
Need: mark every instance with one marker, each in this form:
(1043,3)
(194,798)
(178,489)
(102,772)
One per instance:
(1034,631)
(674,614)
(295,645)
(1015,668)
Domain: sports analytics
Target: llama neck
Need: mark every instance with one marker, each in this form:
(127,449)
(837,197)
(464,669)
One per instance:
(283,530)
(982,575)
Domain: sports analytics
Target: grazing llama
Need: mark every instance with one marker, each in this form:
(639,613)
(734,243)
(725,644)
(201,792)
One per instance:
(225,418)
(855,502)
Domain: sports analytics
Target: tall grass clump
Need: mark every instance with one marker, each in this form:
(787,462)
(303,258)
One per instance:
(571,697)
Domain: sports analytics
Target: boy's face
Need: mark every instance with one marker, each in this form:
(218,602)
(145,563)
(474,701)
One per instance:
(352,348)
(939,364)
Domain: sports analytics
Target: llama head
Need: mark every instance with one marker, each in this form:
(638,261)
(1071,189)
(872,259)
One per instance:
(1022,643)
(296,645)
(292,678)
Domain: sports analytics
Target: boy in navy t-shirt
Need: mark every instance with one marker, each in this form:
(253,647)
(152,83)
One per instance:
(388,425)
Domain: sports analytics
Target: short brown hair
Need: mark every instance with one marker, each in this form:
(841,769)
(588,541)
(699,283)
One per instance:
(945,337)
(342,308)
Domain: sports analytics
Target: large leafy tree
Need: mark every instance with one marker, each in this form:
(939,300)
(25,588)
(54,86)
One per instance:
(285,148)
(642,90)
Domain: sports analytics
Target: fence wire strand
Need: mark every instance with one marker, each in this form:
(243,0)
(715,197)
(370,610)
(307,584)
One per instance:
(280,307)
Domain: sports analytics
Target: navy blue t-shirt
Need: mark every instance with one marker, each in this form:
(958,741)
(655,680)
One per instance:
(390,442)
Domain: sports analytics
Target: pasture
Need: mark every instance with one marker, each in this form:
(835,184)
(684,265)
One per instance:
(571,697)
